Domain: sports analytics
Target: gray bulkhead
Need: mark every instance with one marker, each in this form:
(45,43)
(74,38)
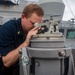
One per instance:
(11,11)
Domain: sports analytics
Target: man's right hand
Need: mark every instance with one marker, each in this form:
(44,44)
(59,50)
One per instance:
(32,32)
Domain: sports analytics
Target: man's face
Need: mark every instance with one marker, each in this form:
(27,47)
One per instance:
(28,23)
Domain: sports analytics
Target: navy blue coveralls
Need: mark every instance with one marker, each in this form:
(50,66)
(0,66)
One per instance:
(11,36)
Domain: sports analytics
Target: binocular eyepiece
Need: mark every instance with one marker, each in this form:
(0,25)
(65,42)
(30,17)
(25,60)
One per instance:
(43,29)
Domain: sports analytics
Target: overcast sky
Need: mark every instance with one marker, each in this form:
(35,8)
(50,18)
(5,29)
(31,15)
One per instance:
(69,9)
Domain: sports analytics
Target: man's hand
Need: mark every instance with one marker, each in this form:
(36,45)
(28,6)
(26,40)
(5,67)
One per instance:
(32,32)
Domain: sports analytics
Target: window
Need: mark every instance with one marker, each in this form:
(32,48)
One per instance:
(70,34)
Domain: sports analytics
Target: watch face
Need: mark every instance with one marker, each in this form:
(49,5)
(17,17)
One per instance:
(20,51)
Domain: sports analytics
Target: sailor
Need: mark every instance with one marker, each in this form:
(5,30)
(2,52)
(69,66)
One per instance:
(16,34)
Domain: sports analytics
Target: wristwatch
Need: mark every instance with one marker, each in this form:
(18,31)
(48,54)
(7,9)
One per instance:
(20,51)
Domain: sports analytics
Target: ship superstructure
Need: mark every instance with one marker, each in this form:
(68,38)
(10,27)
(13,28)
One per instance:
(68,30)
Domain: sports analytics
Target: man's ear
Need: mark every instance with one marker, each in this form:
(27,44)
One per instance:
(23,16)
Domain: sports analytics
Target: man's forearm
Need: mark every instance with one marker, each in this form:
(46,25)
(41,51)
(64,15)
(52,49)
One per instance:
(12,56)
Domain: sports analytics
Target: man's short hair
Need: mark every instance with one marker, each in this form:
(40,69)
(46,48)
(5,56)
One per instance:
(32,8)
